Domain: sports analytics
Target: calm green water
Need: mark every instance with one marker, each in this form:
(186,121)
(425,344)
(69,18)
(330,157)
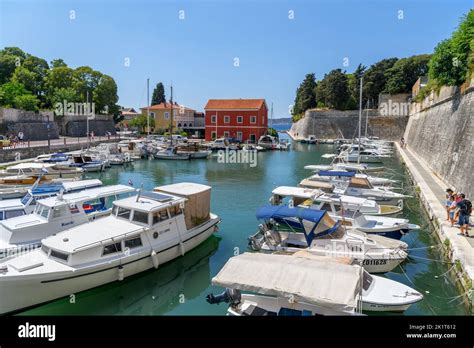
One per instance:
(180,287)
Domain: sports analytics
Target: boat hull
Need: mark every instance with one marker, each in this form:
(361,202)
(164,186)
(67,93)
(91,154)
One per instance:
(31,291)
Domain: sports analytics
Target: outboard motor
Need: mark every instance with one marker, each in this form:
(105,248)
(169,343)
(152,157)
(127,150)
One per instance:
(231,296)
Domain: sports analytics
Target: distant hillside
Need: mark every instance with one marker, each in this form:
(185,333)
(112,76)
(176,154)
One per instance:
(286,120)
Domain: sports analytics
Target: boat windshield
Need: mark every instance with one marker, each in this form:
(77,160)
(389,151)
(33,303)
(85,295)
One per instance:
(42,211)
(367,281)
(26,198)
(122,213)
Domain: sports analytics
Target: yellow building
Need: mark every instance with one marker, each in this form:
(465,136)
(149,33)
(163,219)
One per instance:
(183,117)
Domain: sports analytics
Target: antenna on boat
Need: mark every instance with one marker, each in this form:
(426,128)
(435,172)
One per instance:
(171,117)
(360,117)
(139,192)
(367,117)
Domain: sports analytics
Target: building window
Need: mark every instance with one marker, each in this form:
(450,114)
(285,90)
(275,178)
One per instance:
(239,136)
(213,135)
(167,115)
(226,119)
(226,134)
(152,114)
(253,119)
(252,138)
(263,119)
(240,119)
(213,119)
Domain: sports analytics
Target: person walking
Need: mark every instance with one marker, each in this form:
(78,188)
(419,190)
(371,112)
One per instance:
(452,209)
(448,201)
(464,210)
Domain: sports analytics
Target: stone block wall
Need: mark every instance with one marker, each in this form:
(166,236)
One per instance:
(441,131)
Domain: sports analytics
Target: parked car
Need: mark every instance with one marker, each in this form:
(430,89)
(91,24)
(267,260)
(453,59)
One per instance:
(4,141)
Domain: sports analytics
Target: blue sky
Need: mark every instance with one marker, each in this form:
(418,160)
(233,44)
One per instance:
(197,54)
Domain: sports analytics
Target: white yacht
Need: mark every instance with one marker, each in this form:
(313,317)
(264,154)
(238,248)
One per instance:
(294,229)
(361,187)
(20,206)
(304,284)
(338,175)
(268,142)
(48,171)
(343,209)
(143,232)
(56,214)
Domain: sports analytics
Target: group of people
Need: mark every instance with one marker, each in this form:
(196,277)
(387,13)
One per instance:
(16,138)
(458,210)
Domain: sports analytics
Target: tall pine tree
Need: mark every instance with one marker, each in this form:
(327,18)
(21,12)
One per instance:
(305,95)
(158,95)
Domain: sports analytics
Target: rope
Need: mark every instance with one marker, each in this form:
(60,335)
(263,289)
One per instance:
(427,259)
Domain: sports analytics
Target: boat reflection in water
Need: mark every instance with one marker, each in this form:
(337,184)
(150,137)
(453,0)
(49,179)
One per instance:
(154,292)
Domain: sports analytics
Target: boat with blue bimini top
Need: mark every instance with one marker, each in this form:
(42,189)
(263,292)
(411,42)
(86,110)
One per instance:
(345,209)
(13,207)
(143,232)
(294,229)
(303,284)
(56,214)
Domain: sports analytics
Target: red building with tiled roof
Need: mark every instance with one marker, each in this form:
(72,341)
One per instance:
(242,119)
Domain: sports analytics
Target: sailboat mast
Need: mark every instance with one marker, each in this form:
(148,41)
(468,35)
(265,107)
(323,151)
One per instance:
(360,118)
(148,108)
(367,118)
(171,116)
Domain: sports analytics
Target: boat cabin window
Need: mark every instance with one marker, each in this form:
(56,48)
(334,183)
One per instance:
(175,210)
(123,213)
(26,198)
(159,216)
(140,217)
(59,212)
(133,243)
(45,249)
(13,213)
(112,248)
(59,255)
(366,281)
(42,211)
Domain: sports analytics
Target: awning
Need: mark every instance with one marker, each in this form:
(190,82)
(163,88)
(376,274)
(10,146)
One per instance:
(319,282)
(282,212)
(335,173)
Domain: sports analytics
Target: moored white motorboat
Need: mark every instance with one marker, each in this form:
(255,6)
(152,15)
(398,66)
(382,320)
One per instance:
(171,153)
(20,206)
(142,233)
(304,284)
(294,229)
(56,214)
(48,171)
(344,210)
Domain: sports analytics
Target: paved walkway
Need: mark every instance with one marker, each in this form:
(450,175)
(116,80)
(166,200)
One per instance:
(61,142)
(432,193)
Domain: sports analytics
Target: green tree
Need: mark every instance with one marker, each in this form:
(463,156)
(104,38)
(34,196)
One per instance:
(27,78)
(452,61)
(58,63)
(375,78)
(27,102)
(105,95)
(404,73)
(305,95)
(334,90)
(10,91)
(8,64)
(85,81)
(59,83)
(158,95)
(353,81)
(140,122)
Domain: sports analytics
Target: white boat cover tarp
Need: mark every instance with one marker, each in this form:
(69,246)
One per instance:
(329,284)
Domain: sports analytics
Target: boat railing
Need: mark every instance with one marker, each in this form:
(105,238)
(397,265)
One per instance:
(113,239)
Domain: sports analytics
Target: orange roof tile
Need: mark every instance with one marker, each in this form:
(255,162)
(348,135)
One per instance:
(166,106)
(234,104)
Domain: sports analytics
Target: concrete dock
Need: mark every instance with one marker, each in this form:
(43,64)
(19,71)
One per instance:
(432,192)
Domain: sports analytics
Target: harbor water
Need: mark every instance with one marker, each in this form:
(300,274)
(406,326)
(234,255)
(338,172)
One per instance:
(180,287)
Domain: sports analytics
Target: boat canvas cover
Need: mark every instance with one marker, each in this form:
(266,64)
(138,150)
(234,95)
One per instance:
(335,173)
(316,184)
(329,284)
(198,205)
(284,212)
